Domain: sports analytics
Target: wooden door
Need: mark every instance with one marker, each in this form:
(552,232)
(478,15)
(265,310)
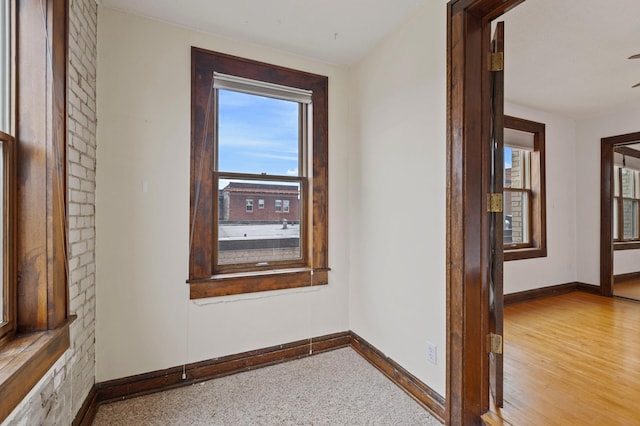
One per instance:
(496,226)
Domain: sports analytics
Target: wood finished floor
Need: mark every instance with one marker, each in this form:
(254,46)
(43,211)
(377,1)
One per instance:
(628,289)
(572,360)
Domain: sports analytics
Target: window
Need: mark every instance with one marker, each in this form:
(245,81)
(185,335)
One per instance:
(34,326)
(626,202)
(262,129)
(524,189)
(7,286)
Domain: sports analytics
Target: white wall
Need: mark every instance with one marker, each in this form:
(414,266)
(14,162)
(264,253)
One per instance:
(145,321)
(626,120)
(559,267)
(398,194)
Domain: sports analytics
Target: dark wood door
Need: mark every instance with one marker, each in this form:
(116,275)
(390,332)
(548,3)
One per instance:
(496,226)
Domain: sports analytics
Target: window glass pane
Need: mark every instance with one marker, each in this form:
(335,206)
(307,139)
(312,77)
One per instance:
(516,217)
(257,134)
(628,183)
(629,219)
(263,235)
(5,66)
(616,180)
(516,168)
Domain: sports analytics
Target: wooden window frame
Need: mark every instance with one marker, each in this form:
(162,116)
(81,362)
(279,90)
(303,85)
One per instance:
(41,333)
(205,280)
(621,243)
(537,246)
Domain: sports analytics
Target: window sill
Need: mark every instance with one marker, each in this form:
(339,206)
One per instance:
(251,282)
(25,359)
(525,253)
(630,245)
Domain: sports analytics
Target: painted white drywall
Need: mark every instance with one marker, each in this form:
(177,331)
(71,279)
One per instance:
(590,132)
(145,321)
(559,266)
(398,193)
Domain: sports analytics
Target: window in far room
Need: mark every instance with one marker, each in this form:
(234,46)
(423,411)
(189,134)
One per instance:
(524,189)
(626,201)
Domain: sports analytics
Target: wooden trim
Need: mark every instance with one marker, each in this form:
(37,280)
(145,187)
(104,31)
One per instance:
(88,411)
(468,106)
(229,284)
(607,246)
(626,245)
(170,378)
(550,291)
(429,399)
(161,380)
(629,152)
(32,356)
(621,278)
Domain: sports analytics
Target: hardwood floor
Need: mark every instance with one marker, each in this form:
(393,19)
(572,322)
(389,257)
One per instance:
(572,360)
(628,289)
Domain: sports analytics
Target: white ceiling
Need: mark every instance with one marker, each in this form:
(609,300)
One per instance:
(334,31)
(570,56)
(567,56)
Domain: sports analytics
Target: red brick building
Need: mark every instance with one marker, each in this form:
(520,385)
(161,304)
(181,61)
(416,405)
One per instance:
(241,201)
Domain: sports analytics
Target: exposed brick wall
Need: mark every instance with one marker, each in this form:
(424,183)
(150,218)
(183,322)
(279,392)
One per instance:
(59,395)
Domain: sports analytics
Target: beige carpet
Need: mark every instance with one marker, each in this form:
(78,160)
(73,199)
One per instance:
(335,388)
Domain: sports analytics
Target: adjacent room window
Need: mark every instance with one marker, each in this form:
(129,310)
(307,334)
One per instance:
(626,204)
(262,130)
(524,189)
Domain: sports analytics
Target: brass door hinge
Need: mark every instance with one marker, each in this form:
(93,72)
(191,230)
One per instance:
(496,61)
(494,202)
(494,343)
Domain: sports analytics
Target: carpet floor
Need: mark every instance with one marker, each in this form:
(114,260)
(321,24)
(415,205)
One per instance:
(334,388)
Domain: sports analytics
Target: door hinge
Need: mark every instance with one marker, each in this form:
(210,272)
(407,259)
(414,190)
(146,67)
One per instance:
(494,202)
(494,343)
(496,61)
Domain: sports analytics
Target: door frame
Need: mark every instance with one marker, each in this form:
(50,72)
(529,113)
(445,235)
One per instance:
(606,211)
(468,124)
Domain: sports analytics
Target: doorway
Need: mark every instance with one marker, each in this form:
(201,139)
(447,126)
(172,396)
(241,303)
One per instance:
(619,217)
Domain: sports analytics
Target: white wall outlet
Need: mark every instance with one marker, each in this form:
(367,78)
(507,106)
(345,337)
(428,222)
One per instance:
(432,353)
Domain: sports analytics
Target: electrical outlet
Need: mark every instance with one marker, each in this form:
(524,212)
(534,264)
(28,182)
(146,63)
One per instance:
(432,353)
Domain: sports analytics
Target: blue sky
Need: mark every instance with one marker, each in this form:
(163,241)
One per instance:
(257,134)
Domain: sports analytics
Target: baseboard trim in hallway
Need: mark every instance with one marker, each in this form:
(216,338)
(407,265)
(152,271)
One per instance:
(161,380)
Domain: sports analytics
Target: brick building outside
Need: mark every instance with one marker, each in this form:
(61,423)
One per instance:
(258,202)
